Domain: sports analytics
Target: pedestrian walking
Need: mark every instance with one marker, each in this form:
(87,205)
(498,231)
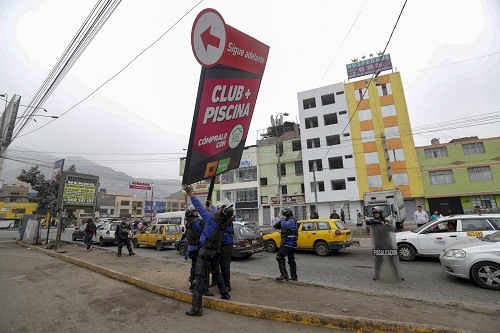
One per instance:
(334,215)
(342,215)
(359,221)
(208,255)
(226,252)
(289,233)
(420,216)
(89,232)
(122,235)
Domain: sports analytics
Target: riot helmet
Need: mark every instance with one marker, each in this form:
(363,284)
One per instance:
(287,213)
(191,212)
(378,210)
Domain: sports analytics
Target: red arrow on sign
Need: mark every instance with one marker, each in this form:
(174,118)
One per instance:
(208,39)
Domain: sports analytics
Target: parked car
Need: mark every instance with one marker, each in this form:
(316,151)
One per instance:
(105,233)
(246,242)
(158,235)
(477,260)
(79,233)
(321,235)
(432,238)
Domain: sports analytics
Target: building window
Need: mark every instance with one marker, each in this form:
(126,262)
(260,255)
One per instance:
(296,145)
(371,158)
(328,99)
(330,119)
(375,181)
(311,122)
(384,89)
(473,148)
(284,189)
(480,174)
(332,140)
(361,94)
(124,203)
(313,143)
(264,200)
(388,110)
(484,201)
(342,112)
(348,156)
(302,188)
(367,136)
(299,170)
(400,179)
(436,152)
(339,93)
(396,155)
(351,179)
(309,103)
(124,212)
(263,181)
(365,114)
(335,163)
(315,165)
(338,184)
(281,167)
(441,177)
(346,134)
(320,186)
(392,132)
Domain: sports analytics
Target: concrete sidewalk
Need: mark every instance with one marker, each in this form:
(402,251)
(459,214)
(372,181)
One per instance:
(296,302)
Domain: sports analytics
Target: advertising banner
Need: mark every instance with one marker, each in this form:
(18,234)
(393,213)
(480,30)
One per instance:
(229,84)
(369,66)
(77,190)
(58,168)
(140,186)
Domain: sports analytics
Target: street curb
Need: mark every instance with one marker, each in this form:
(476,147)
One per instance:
(258,311)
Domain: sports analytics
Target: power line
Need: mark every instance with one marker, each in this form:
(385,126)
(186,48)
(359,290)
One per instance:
(454,63)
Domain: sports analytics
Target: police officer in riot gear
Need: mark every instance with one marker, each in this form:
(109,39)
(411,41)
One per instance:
(378,216)
(208,255)
(226,252)
(122,235)
(289,233)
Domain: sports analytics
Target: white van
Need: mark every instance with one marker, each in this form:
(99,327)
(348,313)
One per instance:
(177,218)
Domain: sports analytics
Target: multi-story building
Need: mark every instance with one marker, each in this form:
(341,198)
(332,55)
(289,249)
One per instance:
(120,205)
(15,202)
(357,138)
(461,174)
(283,139)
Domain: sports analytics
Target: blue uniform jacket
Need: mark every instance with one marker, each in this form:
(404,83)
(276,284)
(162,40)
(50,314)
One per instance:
(210,225)
(291,228)
(228,234)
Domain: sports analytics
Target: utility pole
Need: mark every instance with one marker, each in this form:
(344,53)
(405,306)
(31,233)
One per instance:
(276,122)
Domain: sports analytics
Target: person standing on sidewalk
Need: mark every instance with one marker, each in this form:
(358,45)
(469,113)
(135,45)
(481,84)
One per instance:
(225,254)
(90,231)
(420,216)
(122,235)
(289,234)
(208,256)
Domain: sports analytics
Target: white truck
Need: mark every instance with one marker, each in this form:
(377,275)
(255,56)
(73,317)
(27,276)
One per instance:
(392,204)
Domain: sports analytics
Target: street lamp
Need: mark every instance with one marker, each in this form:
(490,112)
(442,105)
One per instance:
(276,122)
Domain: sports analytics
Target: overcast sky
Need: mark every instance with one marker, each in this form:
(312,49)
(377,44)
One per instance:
(447,51)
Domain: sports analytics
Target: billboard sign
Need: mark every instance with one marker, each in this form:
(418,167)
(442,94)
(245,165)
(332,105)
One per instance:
(227,93)
(58,168)
(140,186)
(369,66)
(77,190)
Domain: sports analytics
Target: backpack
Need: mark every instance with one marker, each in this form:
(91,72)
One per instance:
(91,228)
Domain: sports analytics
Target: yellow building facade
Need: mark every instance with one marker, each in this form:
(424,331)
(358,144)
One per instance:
(384,149)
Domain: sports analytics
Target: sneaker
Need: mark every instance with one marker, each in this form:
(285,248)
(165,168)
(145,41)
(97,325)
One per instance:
(119,255)
(185,259)
(294,278)
(282,278)
(195,313)
(91,247)
(131,254)
(225,296)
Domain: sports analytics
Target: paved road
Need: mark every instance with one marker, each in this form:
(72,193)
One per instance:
(43,294)
(353,269)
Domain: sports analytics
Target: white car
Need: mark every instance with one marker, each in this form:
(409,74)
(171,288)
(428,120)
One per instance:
(475,260)
(105,233)
(433,237)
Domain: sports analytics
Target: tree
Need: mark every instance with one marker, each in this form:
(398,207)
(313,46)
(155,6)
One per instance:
(46,197)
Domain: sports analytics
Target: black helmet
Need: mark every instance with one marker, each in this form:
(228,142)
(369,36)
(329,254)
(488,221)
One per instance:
(225,210)
(287,213)
(377,209)
(190,212)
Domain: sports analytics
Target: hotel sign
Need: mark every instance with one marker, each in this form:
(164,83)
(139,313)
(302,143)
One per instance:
(369,66)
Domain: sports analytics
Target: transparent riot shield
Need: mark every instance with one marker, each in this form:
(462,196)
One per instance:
(385,253)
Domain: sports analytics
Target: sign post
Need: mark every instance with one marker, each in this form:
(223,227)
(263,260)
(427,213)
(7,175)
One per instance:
(233,64)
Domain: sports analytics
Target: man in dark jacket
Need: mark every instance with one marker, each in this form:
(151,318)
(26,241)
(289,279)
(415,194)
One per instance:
(289,233)
(89,232)
(226,250)
(208,256)
(122,237)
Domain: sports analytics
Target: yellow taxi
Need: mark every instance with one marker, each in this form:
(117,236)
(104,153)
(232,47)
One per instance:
(158,235)
(321,235)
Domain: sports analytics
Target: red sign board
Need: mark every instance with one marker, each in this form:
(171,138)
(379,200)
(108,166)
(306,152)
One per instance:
(233,65)
(140,186)
(216,43)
